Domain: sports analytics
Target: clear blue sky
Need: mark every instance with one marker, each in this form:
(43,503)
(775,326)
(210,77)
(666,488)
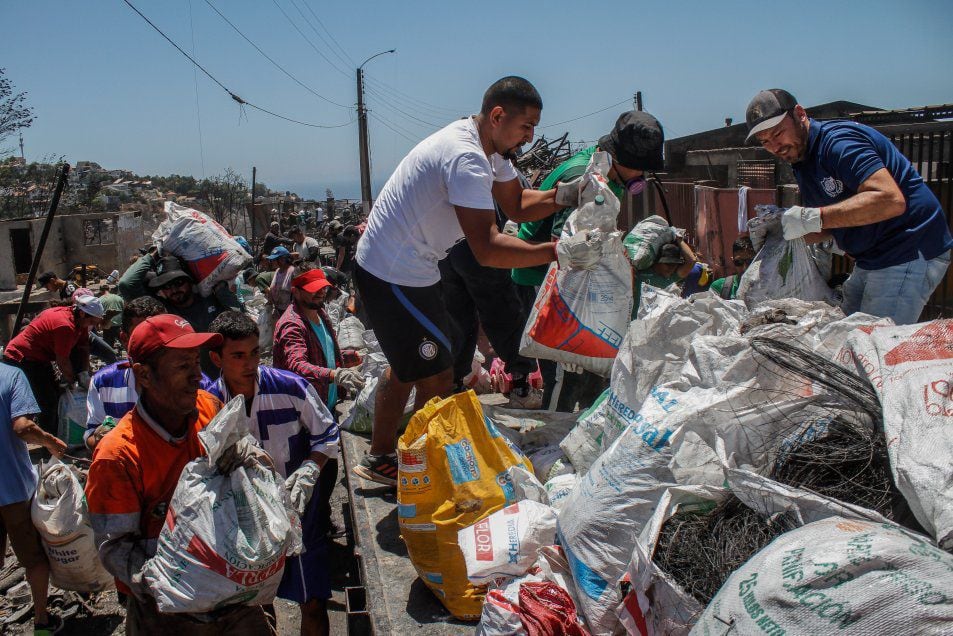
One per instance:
(107,88)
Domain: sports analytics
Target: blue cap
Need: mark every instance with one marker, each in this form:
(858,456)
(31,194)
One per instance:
(278,252)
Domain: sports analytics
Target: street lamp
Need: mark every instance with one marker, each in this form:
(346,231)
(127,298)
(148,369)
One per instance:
(362,134)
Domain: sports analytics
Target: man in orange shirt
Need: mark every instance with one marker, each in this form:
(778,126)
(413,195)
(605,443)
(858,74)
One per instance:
(137,466)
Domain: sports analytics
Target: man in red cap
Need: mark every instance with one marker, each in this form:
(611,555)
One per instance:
(305,342)
(137,466)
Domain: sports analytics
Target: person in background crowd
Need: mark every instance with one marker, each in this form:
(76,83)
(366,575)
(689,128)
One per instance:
(113,305)
(293,425)
(60,335)
(674,263)
(858,188)
(17,486)
(136,468)
(305,342)
(56,285)
(273,239)
(306,247)
(279,291)
(112,391)
(742,253)
(635,145)
(176,289)
(346,246)
(443,191)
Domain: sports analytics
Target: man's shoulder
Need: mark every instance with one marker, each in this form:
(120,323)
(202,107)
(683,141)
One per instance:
(207,404)
(278,381)
(116,375)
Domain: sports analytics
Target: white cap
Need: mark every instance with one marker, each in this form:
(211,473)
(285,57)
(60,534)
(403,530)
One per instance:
(91,305)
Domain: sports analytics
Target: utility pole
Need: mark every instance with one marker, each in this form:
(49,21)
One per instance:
(364,142)
(21,146)
(254,174)
(365,152)
(638,100)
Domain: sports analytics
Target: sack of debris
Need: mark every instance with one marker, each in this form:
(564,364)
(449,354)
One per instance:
(781,269)
(532,604)
(911,369)
(360,419)
(60,515)
(645,240)
(505,543)
(226,537)
(452,472)
(72,416)
(580,315)
(350,333)
(837,575)
(209,251)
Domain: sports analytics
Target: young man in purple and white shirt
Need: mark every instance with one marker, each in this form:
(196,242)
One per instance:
(291,422)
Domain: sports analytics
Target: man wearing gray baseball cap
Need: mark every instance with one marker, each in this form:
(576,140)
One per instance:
(858,189)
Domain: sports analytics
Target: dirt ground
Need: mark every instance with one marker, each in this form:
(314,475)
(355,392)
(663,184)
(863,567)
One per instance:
(101,614)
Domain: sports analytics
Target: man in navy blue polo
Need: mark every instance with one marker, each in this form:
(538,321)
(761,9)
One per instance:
(858,189)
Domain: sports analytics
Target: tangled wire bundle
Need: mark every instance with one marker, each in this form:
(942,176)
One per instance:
(701,550)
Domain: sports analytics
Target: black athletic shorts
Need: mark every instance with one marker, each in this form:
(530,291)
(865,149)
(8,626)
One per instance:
(411,325)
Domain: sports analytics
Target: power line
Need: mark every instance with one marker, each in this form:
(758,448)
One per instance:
(595,112)
(308,40)
(328,31)
(431,111)
(318,33)
(195,81)
(236,98)
(415,137)
(381,121)
(389,104)
(274,63)
(391,89)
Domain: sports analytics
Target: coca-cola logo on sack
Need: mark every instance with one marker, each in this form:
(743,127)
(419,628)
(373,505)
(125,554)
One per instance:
(938,398)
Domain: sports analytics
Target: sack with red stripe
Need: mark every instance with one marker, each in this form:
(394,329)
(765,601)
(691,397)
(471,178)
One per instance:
(209,251)
(505,543)
(225,538)
(581,315)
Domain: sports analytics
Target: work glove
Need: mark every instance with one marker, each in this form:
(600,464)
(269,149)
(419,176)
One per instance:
(242,453)
(798,221)
(579,251)
(567,194)
(349,379)
(300,485)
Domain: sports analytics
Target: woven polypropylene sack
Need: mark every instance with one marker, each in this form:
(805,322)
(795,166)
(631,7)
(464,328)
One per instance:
(837,576)
(452,472)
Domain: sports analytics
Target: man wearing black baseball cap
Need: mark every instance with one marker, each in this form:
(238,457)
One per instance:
(635,145)
(858,189)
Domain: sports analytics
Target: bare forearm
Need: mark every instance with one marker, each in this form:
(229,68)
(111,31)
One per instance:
(863,208)
(506,251)
(28,431)
(66,368)
(535,205)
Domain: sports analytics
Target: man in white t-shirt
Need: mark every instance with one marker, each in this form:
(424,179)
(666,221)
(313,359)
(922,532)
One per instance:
(304,246)
(442,193)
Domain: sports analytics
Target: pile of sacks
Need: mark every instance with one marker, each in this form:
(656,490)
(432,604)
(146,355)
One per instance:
(695,417)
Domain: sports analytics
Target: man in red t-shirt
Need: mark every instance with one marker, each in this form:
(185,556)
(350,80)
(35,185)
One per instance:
(137,466)
(51,337)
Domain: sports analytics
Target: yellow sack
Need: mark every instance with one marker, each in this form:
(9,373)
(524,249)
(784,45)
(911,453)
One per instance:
(452,466)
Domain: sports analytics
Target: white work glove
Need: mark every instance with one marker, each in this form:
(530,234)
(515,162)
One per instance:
(579,251)
(798,221)
(243,453)
(570,367)
(349,379)
(300,485)
(567,194)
